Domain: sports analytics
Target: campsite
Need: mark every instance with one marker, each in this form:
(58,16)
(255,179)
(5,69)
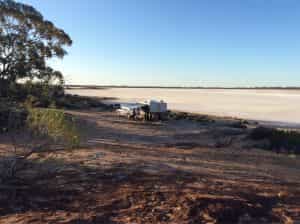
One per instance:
(188,169)
(149,112)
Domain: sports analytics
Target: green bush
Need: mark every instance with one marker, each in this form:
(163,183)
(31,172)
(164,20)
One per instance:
(289,140)
(260,133)
(79,102)
(239,124)
(38,94)
(12,116)
(41,94)
(189,116)
(55,124)
(279,139)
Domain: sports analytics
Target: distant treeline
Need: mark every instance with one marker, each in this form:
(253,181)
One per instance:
(176,87)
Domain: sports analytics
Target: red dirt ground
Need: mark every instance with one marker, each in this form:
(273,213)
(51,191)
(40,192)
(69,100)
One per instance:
(169,172)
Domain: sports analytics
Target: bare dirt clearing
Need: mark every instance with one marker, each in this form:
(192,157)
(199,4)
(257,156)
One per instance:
(171,172)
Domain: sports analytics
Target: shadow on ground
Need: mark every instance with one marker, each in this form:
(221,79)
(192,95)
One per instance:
(129,173)
(56,191)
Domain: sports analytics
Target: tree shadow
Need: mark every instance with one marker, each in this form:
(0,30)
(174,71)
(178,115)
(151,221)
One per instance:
(108,195)
(141,191)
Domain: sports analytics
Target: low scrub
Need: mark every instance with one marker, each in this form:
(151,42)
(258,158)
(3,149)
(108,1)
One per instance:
(36,94)
(189,116)
(69,101)
(239,124)
(54,124)
(279,140)
(12,116)
(41,130)
(49,96)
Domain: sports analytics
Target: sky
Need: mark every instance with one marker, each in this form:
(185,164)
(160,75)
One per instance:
(178,42)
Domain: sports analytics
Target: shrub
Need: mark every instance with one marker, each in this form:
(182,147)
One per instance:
(11,116)
(260,133)
(79,102)
(279,139)
(239,124)
(43,127)
(189,116)
(289,140)
(55,124)
(39,94)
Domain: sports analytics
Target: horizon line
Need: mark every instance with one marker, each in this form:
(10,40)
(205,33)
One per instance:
(88,86)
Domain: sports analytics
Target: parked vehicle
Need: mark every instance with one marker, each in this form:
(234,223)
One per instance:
(148,111)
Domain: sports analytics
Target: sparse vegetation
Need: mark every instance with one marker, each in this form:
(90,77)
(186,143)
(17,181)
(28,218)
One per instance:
(68,101)
(54,124)
(239,124)
(43,128)
(29,86)
(279,140)
(190,116)
(8,109)
(189,170)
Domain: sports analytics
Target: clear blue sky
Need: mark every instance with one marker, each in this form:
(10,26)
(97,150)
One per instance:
(179,42)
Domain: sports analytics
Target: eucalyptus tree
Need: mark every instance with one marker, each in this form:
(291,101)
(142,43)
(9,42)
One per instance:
(27,42)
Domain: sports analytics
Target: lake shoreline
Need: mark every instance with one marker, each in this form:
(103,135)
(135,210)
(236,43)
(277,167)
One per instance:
(275,108)
(176,87)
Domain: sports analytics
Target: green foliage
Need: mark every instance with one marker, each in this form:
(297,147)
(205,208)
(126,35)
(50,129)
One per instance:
(189,116)
(55,124)
(36,94)
(239,124)
(79,102)
(12,116)
(260,133)
(40,94)
(279,139)
(27,41)
(289,140)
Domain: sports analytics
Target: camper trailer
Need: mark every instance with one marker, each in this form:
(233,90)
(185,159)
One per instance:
(157,109)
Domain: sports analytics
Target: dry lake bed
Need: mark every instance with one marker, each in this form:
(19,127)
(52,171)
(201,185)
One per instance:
(281,107)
